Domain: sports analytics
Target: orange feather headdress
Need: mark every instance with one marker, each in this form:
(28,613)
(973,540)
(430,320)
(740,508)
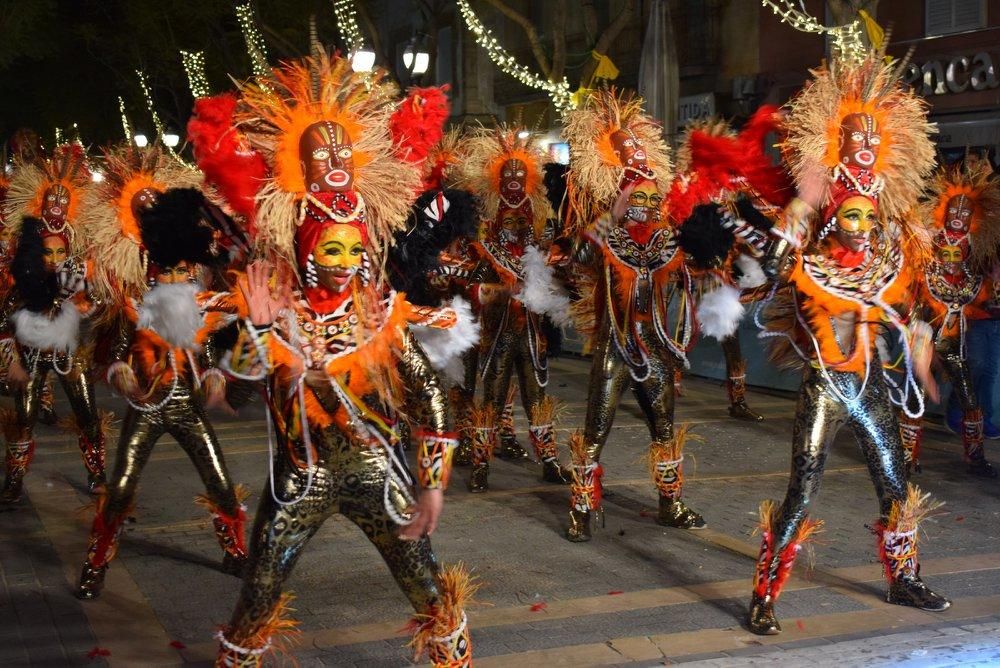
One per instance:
(484,154)
(905,156)
(974,179)
(67,167)
(596,171)
(111,227)
(275,110)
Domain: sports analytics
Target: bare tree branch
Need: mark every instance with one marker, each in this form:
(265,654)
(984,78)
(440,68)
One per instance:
(606,39)
(529,29)
(559,42)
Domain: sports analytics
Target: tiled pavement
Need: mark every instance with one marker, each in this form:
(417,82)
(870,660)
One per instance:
(636,593)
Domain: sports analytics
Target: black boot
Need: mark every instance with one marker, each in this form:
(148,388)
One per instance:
(760,618)
(910,590)
(579,526)
(676,514)
(91,582)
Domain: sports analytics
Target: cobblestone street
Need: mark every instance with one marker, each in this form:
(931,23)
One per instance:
(636,594)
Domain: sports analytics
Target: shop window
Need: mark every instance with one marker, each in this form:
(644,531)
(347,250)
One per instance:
(943,17)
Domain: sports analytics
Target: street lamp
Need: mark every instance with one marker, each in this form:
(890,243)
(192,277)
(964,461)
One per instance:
(363,60)
(171,139)
(141,140)
(415,59)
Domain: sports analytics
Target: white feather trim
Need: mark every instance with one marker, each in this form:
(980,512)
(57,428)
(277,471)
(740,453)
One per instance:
(753,276)
(39,331)
(444,347)
(540,293)
(171,310)
(719,312)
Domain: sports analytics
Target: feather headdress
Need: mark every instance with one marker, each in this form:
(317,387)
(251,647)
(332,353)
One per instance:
(904,156)
(32,180)
(486,151)
(273,113)
(596,169)
(111,226)
(974,179)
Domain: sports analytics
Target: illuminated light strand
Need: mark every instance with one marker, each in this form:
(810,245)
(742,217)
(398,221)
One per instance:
(847,41)
(126,128)
(347,22)
(560,93)
(144,85)
(254,39)
(194,66)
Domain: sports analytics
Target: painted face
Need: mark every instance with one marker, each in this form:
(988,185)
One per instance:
(182,272)
(860,138)
(55,206)
(513,221)
(644,204)
(142,200)
(632,155)
(327,156)
(54,252)
(5,235)
(513,177)
(958,215)
(855,219)
(338,255)
(951,257)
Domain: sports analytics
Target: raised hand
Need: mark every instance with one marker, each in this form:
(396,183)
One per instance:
(255,285)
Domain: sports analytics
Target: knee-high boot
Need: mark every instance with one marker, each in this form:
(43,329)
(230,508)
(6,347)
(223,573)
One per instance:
(897,547)
(774,565)
(484,440)
(736,387)
(972,444)
(543,441)
(510,448)
(102,548)
(443,632)
(17,460)
(245,648)
(585,490)
(911,431)
(666,461)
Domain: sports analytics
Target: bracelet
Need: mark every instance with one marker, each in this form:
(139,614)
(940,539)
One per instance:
(434,455)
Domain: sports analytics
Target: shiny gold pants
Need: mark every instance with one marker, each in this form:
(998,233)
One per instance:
(78,388)
(609,376)
(512,356)
(183,418)
(819,415)
(348,481)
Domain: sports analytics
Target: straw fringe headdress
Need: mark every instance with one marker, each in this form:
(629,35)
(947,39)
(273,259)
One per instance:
(110,225)
(596,172)
(31,180)
(275,110)
(872,86)
(975,179)
(484,153)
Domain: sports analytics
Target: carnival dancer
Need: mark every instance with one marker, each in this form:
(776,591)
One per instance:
(42,318)
(858,129)
(337,354)
(619,170)
(963,215)
(724,200)
(152,236)
(516,291)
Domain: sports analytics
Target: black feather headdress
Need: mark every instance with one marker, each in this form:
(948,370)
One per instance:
(704,238)
(181,227)
(438,218)
(37,287)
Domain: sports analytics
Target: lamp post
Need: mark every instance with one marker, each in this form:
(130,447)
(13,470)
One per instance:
(363,60)
(171,139)
(141,140)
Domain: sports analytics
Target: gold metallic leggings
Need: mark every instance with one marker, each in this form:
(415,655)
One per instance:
(609,376)
(819,415)
(348,481)
(959,375)
(512,355)
(183,418)
(78,388)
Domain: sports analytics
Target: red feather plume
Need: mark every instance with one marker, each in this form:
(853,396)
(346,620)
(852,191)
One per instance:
(418,123)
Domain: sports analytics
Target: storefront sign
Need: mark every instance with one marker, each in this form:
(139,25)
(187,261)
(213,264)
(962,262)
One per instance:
(695,108)
(956,75)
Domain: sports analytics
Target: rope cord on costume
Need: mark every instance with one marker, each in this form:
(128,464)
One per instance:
(69,366)
(306,441)
(620,338)
(233,647)
(496,340)
(150,408)
(539,366)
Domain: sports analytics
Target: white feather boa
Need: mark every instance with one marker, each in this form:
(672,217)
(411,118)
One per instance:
(171,310)
(37,330)
(719,312)
(444,347)
(540,293)
(753,276)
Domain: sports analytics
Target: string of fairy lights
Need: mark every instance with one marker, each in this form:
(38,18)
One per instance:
(254,39)
(559,91)
(847,41)
(126,128)
(347,20)
(194,66)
